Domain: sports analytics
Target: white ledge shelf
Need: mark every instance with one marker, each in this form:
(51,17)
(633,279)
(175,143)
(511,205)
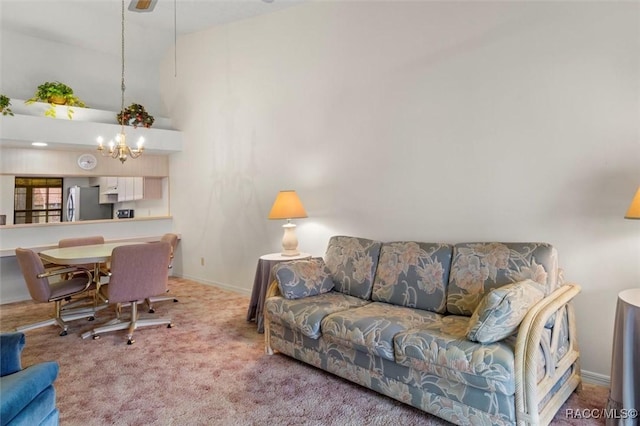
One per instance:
(29,124)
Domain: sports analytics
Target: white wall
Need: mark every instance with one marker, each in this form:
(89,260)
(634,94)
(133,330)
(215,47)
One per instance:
(7,186)
(94,76)
(430,121)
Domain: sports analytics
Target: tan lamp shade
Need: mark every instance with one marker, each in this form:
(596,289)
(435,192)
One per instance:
(634,208)
(287,206)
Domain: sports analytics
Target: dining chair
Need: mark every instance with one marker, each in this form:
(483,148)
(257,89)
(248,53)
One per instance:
(138,271)
(42,290)
(172,239)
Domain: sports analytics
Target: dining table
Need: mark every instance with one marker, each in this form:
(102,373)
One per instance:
(80,255)
(96,254)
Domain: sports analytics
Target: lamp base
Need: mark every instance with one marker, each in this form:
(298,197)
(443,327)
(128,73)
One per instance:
(289,240)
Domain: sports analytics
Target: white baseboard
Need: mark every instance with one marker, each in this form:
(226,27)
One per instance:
(596,378)
(234,289)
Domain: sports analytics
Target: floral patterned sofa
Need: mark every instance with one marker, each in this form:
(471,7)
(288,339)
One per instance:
(475,333)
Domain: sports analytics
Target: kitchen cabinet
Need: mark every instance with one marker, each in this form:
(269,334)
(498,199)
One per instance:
(152,188)
(108,189)
(118,189)
(127,188)
(122,189)
(139,188)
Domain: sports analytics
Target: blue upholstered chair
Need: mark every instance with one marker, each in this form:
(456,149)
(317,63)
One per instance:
(27,396)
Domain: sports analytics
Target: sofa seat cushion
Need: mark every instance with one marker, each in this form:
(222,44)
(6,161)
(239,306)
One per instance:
(442,348)
(306,314)
(371,328)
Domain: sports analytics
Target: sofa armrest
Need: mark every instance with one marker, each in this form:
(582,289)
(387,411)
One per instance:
(11,345)
(273,290)
(19,389)
(561,377)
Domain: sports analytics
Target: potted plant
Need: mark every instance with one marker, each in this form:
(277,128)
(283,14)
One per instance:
(56,93)
(5,103)
(135,115)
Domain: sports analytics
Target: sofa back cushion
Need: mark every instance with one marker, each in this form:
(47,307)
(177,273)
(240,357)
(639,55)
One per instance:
(413,274)
(303,278)
(477,268)
(352,262)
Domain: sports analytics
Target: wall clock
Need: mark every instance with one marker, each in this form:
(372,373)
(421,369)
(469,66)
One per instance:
(87,161)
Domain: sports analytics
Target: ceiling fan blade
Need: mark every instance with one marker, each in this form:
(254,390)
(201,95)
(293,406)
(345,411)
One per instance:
(142,5)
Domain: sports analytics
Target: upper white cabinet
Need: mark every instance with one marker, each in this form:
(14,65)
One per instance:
(139,188)
(118,189)
(126,188)
(108,188)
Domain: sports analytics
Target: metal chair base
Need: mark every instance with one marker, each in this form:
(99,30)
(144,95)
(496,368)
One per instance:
(131,325)
(151,300)
(66,316)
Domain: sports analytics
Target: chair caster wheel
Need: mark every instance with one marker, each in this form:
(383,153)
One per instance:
(91,319)
(169,325)
(63,333)
(152,311)
(130,342)
(96,337)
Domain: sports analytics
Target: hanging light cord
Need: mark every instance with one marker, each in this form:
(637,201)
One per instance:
(122,86)
(121,150)
(175,39)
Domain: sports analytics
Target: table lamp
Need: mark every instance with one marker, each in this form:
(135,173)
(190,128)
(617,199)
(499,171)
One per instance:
(288,206)
(634,209)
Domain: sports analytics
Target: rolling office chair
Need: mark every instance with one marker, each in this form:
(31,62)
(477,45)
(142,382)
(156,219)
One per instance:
(81,241)
(172,239)
(41,290)
(138,271)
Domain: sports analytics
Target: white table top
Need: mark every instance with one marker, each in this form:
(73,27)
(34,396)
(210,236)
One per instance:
(631,296)
(279,256)
(79,255)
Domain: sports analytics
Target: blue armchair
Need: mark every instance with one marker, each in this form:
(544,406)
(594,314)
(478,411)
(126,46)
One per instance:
(27,396)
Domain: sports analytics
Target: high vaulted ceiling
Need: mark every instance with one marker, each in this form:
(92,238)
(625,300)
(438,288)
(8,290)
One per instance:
(96,24)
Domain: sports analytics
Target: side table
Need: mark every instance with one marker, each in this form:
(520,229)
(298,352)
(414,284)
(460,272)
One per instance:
(624,396)
(261,282)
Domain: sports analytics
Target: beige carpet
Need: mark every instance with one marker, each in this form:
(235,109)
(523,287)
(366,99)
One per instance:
(210,369)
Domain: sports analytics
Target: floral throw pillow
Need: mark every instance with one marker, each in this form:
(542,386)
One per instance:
(302,278)
(501,311)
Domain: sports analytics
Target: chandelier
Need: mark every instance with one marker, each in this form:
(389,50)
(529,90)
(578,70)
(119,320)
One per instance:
(119,149)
